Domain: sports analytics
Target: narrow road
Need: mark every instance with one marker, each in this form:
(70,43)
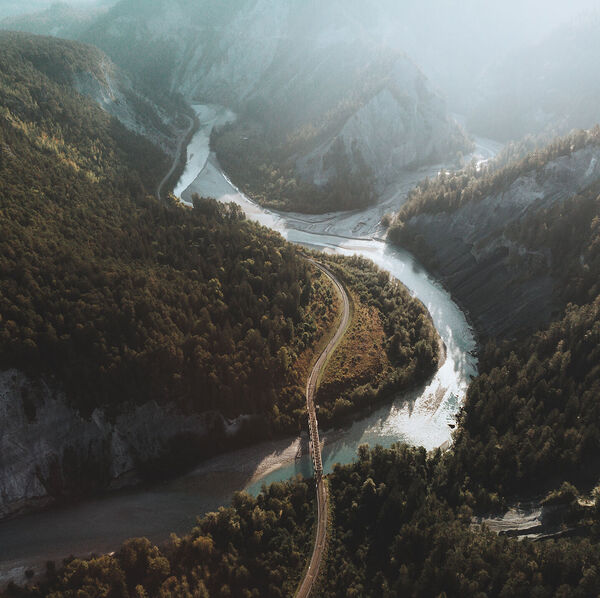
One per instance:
(312,573)
(182,140)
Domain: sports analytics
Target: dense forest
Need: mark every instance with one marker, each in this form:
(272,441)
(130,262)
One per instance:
(265,169)
(449,191)
(393,532)
(118,297)
(122,299)
(531,417)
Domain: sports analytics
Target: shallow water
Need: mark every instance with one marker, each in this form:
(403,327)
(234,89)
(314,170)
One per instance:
(208,116)
(420,417)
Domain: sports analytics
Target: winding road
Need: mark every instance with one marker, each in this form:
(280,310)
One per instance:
(312,573)
(180,144)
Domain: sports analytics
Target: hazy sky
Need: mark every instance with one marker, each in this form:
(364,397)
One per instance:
(16,7)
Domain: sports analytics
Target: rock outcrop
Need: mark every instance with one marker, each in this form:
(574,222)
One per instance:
(114,92)
(49,451)
(503,285)
(402,125)
(310,72)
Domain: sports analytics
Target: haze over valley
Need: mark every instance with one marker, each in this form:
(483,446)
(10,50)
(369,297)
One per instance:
(299,298)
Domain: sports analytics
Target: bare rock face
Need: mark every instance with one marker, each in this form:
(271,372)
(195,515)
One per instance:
(503,285)
(113,91)
(49,451)
(310,72)
(38,434)
(403,125)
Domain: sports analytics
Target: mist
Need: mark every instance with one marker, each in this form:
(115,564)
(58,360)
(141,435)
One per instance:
(13,8)
(455,41)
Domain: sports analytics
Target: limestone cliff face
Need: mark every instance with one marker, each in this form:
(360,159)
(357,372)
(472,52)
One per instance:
(114,92)
(503,285)
(402,125)
(311,72)
(49,451)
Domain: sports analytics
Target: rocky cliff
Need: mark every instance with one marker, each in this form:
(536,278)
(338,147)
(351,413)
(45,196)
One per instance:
(49,451)
(505,285)
(114,92)
(402,125)
(310,73)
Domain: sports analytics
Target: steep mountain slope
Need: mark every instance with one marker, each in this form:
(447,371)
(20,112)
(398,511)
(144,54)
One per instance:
(551,87)
(137,337)
(60,20)
(131,312)
(93,74)
(483,232)
(307,79)
(520,246)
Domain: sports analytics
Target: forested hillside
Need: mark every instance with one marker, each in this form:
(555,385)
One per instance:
(115,306)
(393,532)
(119,298)
(531,417)
(391,344)
(450,191)
(265,169)
(122,306)
(505,236)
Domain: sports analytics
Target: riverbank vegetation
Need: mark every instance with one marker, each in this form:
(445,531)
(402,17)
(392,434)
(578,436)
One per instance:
(393,533)
(255,548)
(391,343)
(266,171)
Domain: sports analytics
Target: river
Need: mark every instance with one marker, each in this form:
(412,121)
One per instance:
(422,417)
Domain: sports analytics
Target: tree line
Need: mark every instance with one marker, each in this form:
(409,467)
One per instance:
(410,342)
(450,191)
(117,297)
(393,531)
(258,164)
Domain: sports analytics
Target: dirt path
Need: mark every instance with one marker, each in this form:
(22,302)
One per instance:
(310,577)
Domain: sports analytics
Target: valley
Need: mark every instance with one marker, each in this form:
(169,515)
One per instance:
(278,318)
(419,417)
